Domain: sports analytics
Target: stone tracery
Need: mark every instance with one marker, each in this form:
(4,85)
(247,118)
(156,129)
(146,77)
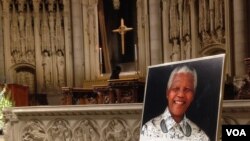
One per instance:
(36,27)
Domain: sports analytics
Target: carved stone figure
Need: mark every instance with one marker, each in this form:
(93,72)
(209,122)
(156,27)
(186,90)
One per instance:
(186,18)
(29,35)
(86,131)
(51,5)
(187,47)
(33,132)
(116,130)
(59,34)
(47,73)
(21,21)
(219,14)
(45,34)
(59,131)
(30,56)
(203,16)
(176,54)
(60,69)
(15,38)
(174,22)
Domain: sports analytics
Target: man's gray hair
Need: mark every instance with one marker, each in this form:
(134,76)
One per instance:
(183,69)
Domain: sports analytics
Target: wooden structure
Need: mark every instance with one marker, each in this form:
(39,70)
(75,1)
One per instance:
(117,91)
(19,94)
(75,96)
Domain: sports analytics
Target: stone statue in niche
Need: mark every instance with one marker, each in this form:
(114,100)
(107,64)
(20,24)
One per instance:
(15,36)
(116,130)
(219,20)
(187,47)
(47,71)
(30,57)
(86,131)
(51,5)
(60,68)
(176,53)
(29,35)
(186,19)
(203,16)
(174,22)
(60,131)
(218,14)
(21,21)
(59,34)
(211,22)
(45,33)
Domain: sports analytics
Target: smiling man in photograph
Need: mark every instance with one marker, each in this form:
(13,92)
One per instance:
(173,124)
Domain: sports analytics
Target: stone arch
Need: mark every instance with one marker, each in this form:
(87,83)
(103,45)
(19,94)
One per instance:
(213,50)
(229,120)
(24,74)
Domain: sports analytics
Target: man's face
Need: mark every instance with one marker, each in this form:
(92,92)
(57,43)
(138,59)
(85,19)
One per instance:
(180,95)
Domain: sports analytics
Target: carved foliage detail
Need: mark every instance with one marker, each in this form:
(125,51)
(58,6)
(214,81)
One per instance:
(33,130)
(86,130)
(116,130)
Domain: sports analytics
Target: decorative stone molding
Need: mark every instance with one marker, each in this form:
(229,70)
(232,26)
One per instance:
(236,112)
(119,122)
(37,37)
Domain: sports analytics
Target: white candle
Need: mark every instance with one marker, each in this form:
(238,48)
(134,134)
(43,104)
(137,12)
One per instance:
(135,52)
(100,55)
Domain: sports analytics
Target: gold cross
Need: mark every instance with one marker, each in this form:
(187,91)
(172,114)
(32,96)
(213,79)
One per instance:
(122,30)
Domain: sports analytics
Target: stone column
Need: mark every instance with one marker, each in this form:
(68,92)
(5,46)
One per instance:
(39,69)
(68,41)
(90,37)
(155,31)
(77,33)
(6,39)
(2,79)
(240,36)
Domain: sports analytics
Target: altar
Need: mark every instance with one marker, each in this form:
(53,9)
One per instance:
(93,122)
(118,122)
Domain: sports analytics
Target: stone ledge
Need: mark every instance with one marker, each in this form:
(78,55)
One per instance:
(95,109)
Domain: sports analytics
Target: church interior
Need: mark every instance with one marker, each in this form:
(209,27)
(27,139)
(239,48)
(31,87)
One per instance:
(82,64)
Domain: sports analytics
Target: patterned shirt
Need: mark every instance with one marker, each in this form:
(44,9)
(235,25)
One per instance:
(163,127)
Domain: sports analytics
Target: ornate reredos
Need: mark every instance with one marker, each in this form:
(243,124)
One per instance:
(37,42)
(38,45)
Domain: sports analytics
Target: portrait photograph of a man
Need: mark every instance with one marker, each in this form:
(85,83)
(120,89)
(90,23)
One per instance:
(183,100)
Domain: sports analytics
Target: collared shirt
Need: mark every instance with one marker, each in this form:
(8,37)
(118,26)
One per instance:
(164,127)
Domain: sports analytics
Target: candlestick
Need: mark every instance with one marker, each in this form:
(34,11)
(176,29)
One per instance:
(100,55)
(135,52)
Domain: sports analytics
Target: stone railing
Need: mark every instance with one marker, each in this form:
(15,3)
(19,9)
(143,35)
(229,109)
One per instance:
(236,112)
(119,122)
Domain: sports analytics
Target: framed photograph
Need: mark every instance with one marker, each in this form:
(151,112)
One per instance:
(183,100)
